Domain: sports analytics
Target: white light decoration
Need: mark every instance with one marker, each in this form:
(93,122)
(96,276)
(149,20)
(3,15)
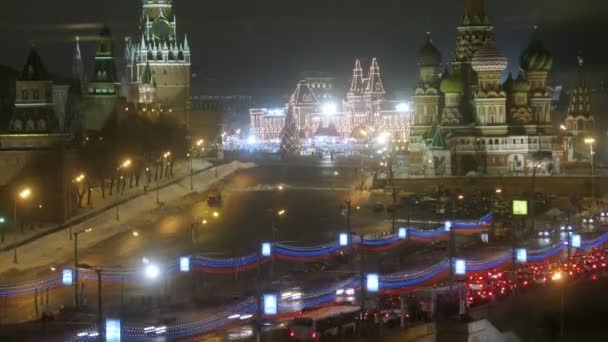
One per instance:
(343,239)
(383,138)
(521,255)
(402,233)
(251,140)
(112,330)
(266,249)
(67,276)
(447,225)
(329,108)
(372,283)
(403,107)
(184,264)
(460,267)
(152,271)
(270,304)
(576,241)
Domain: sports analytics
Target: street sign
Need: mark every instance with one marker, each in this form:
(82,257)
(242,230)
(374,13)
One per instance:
(112,330)
(271,304)
(343,239)
(402,233)
(521,255)
(460,267)
(184,264)
(266,249)
(576,241)
(520,208)
(67,276)
(372,283)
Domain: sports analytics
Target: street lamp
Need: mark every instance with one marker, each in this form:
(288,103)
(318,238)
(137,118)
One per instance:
(24,194)
(591,142)
(152,271)
(2,221)
(76,301)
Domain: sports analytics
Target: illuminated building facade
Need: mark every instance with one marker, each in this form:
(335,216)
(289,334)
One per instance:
(467,120)
(362,113)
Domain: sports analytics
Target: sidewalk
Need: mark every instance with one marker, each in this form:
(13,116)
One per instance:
(181,170)
(54,247)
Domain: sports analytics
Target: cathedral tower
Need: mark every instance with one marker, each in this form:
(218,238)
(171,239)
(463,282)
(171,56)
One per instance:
(159,49)
(579,120)
(536,61)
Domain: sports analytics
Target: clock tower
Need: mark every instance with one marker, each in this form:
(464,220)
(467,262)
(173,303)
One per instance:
(159,52)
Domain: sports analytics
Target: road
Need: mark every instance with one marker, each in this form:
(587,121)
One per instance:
(312,197)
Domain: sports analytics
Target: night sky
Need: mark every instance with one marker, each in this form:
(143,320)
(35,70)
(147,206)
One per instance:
(260,47)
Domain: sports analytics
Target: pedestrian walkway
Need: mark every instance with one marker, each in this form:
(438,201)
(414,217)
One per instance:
(53,247)
(15,237)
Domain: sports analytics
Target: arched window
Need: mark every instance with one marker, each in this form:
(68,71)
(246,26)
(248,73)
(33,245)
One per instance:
(171,56)
(159,56)
(150,56)
(180,56)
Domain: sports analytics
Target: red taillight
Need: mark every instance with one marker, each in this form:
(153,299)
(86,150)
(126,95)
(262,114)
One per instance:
(314,335)
(291,333)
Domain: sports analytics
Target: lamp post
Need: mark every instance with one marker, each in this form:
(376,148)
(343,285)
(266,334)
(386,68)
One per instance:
(125,165)
(535,167)
(163,159)
(76,299)
(2,221)
(591,142)
(276,214)
(23,195)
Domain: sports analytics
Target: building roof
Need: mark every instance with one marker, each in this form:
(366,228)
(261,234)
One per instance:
(33,70)
(428,55)
(488,58)
(536,58)
(437,140)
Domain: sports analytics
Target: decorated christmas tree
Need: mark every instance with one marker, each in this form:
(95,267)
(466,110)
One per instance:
(290,139)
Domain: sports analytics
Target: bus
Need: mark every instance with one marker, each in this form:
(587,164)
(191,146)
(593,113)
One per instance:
(324,323)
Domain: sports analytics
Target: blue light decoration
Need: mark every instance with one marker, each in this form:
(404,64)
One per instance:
(343,239)
(271,304)
(372,283)
(67,277)
(460,267)
(266,249)
(184,264)
(447,226)
(402,233)
(112,330)
(576,241)
(521,255)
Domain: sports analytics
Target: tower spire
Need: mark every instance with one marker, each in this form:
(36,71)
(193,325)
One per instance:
(356,85)
(579,97)
(475,11)
(77,66)
(374,85)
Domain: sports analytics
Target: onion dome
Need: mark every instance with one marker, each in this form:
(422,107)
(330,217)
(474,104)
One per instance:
(451,84)
(520,85)
(488,58)
(536,58)
(429,55)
